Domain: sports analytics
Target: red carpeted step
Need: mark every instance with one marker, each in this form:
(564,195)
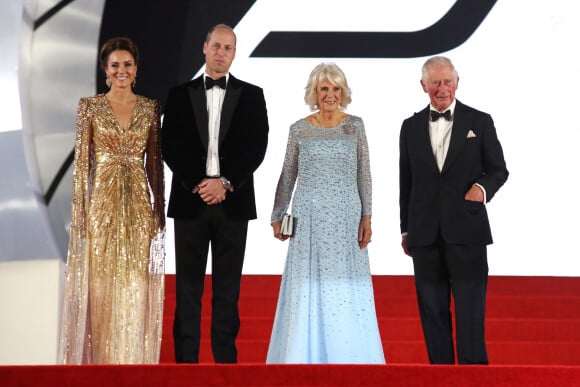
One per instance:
(503,329)
(537,306)
(413,352)
(534,353)
(254,284)
(533,330)
(533,286)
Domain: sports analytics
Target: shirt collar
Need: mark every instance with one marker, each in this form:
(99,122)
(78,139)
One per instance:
(227,77)
(450,107)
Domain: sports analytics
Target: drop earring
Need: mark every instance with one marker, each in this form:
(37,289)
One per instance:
(108,82)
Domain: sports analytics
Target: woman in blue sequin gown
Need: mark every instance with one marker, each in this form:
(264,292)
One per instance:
(326,311)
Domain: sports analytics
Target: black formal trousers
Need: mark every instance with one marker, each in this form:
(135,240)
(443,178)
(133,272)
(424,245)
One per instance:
(442,269)
(193,237)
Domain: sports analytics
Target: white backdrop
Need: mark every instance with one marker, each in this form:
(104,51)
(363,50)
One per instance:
(520,65)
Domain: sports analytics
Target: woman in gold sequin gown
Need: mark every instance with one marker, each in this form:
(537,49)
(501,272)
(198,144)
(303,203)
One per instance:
(113,307)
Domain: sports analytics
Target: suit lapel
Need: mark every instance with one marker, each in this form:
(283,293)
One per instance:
(199,105)
(423,139)
(233,92)
(459,131)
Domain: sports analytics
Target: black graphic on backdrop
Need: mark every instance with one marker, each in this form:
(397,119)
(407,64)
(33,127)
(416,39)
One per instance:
(453,29)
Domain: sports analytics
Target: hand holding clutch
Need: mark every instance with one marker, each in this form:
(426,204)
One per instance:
(287,225)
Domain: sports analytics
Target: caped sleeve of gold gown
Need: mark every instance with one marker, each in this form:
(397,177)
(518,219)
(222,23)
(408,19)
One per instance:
(74,316)
(154,169)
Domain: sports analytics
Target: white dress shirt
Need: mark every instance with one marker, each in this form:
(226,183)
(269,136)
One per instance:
(215,99)
(440,135)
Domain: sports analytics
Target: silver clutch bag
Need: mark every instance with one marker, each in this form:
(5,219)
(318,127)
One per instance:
(287,225)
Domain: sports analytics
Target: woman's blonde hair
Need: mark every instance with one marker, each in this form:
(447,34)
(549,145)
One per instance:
(334,75)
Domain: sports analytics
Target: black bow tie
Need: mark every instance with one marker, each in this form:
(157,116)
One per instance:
(435,115)
(210,82)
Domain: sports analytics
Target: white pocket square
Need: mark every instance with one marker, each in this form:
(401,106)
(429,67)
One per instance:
(470,134)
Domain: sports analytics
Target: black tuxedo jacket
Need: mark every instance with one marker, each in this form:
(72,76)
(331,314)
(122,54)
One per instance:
(243,138)
(431,202)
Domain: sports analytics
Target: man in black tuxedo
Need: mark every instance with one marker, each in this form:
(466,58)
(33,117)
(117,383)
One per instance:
(451,164)
(215,132)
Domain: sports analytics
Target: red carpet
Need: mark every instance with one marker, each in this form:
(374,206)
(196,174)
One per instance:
(533,334)
(530,320)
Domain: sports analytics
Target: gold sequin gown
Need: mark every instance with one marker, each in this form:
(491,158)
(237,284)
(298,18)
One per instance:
(113,306)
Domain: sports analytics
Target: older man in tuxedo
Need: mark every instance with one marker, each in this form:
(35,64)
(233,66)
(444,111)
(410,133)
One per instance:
(451,164)
(215,132)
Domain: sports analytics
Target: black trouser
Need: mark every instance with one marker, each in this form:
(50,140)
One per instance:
(462,269)
(228,242)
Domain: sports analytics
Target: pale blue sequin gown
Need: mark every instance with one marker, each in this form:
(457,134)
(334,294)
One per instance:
(326,311)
